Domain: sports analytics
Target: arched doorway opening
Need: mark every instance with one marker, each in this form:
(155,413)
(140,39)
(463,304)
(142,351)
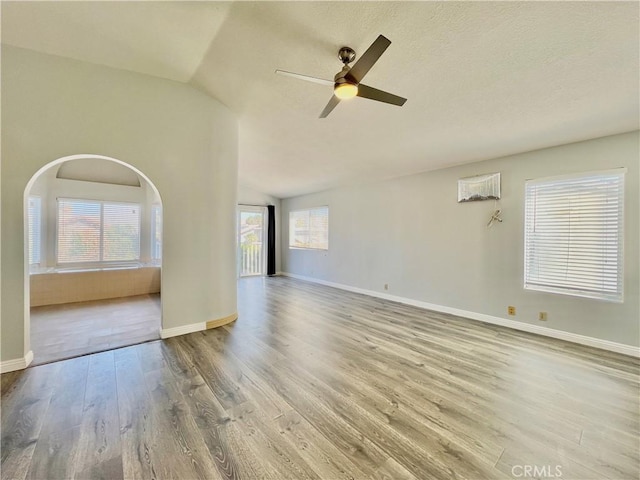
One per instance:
(93,256)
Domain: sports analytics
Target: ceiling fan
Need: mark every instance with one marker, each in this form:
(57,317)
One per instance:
(346,83)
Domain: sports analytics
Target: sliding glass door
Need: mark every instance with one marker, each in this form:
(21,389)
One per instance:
(252,247)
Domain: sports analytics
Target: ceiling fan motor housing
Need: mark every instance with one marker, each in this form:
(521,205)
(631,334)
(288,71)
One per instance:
(339,77)
(346,56)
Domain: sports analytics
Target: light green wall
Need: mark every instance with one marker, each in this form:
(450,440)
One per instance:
(183,140)
(411,234)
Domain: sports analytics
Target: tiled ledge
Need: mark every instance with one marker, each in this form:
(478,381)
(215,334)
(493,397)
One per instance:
(50,288)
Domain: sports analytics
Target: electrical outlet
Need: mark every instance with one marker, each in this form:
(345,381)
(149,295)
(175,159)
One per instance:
(511,310)
(386,286)
(542,316)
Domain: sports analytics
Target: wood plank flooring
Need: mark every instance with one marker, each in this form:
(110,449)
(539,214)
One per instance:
(313,382)
(73,329)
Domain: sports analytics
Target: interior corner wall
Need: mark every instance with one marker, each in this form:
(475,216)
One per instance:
(249,196)
(184,141)
(411,234)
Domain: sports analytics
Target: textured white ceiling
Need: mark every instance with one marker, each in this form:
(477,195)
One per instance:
(483,79)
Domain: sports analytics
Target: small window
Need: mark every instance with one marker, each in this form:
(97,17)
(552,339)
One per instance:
(156,233)
(92,231)
(34,218)
(574,235)
(309,228)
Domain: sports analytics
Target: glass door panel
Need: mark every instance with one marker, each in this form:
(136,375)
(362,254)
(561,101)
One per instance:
(251,241)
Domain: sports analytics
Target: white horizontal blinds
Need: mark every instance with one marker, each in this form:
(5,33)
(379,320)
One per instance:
(309,228)
(79,231)
(574,234)
(34,217)
(156,233)
(91,231)
(121,232)
(319,228)
(299,229)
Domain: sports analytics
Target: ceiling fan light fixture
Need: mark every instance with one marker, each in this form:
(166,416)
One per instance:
(347,82)
(345,91)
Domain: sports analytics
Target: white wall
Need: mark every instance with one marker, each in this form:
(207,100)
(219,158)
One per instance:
(183,140)
(411,233)
(249,196)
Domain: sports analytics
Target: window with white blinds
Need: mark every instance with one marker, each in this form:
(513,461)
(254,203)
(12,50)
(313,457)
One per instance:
(574,235)
(309,228)
(156,233)
(92,231)
(34,218)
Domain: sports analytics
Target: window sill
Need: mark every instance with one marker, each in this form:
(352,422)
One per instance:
(610,298)
(90,268)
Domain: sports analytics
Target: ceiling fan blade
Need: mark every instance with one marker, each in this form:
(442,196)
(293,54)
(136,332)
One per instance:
(305,77)
(330,106)
(371,93)
(368,58)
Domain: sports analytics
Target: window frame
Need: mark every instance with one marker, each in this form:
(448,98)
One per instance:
(309,209)
(152,234)
(263,212)
(601,295)
(40,229)
(100,263)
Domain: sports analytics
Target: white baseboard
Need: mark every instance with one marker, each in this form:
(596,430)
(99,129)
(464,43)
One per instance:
(28,358)
(183,330)
(16,363)
(504,322)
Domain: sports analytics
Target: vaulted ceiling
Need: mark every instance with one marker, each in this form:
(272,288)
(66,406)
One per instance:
(483,79)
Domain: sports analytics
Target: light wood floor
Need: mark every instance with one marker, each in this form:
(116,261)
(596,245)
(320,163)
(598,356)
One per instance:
(313,382)
(73,329)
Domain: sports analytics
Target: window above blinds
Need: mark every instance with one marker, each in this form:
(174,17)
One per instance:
(574,235)
(91,231)
(309,228)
